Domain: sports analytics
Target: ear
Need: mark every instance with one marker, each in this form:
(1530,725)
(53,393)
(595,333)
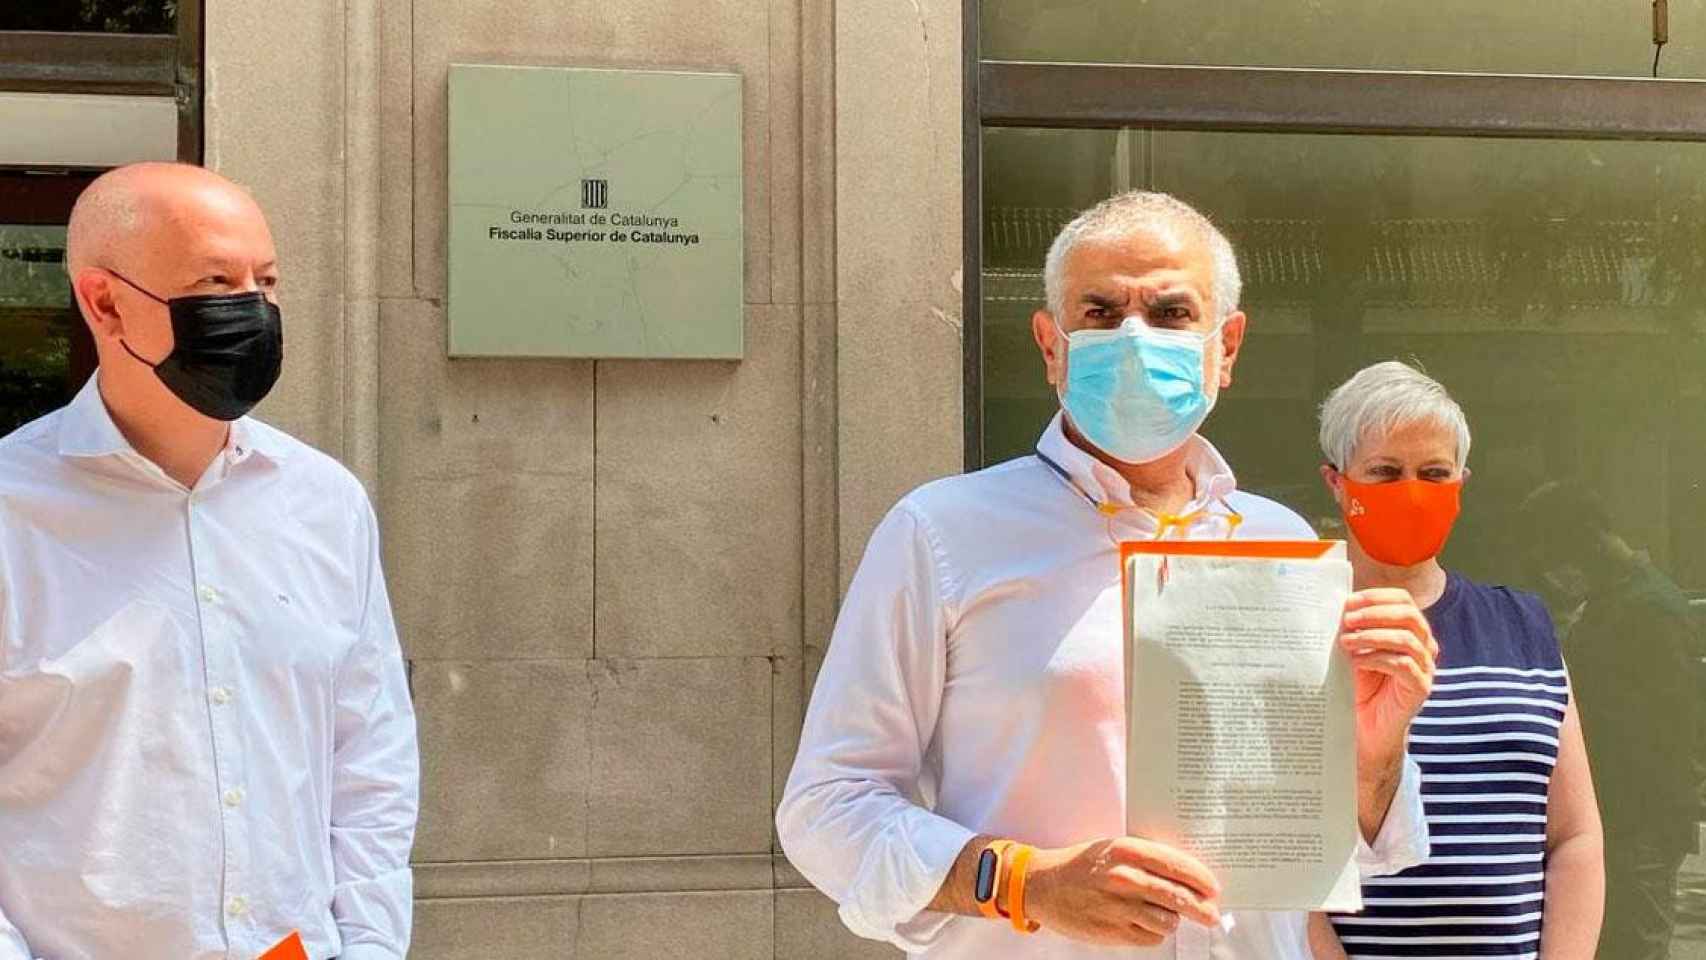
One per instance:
(1052,345)
(1231,341)
(1335,483)
(94,290)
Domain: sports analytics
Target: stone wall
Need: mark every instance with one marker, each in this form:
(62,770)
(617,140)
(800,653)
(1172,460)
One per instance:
(614,579)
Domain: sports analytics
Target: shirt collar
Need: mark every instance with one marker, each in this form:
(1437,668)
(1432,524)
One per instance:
(1209,471)
(87,430)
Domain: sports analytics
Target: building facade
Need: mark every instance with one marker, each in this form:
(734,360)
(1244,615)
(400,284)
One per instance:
(614,579)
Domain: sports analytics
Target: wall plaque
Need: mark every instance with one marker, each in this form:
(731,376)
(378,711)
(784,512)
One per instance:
(595,213)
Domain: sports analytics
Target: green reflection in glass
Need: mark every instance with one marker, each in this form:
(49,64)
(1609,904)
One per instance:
(1573,37)
(36,321)
(1558,289)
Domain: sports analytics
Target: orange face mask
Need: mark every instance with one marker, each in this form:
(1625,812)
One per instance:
(1402,523)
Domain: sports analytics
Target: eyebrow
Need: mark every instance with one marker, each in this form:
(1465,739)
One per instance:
(1389,461)
(1173,299)
(1102,300)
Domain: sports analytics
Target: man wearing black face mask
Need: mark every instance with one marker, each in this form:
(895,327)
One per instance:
(206,739)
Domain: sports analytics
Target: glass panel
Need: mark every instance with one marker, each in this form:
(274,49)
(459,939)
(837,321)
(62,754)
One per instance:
(1585,37)
(92,16)
(1556,288)
(36,323)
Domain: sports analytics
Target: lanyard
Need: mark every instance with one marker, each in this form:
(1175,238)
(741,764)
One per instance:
(1164,522)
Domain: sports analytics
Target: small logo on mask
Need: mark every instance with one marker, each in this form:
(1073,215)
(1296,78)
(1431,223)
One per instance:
(1356,508)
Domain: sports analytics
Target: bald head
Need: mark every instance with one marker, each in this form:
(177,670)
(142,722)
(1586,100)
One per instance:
(148,233)
(140,205)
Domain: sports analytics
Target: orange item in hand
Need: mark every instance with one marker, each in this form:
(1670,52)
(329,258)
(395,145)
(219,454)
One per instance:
(290,948)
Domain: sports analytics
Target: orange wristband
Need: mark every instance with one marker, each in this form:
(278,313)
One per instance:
(1016,896)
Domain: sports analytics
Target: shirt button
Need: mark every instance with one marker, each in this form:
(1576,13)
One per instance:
(234,797)
(209,595)
(237,906)
(221,696)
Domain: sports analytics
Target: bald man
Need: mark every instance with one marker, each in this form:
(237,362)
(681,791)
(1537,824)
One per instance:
(206,739)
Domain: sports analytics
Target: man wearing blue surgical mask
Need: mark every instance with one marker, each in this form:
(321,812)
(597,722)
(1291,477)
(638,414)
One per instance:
(206,738)
(960,783)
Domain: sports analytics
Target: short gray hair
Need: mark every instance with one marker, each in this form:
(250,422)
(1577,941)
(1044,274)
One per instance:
(1380,399)
(1128,213)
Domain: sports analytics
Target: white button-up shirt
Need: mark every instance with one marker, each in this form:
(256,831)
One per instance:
(975,684)
(206,739)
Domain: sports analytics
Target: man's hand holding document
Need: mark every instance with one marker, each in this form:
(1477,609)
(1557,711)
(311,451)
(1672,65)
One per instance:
(1249,690)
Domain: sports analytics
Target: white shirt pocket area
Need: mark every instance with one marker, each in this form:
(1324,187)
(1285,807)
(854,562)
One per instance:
(56,714)
(104,734)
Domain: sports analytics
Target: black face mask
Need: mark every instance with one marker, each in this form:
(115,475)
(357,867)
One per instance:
(227,353)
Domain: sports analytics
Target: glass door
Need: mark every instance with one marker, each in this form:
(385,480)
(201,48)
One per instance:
(1509,201)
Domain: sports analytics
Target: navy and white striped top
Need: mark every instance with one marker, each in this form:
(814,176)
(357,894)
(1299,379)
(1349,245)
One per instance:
(1486,740)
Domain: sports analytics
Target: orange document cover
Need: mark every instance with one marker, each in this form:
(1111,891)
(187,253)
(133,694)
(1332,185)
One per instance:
(290,948)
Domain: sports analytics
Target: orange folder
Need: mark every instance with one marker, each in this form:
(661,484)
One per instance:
(1267,549)
(290,948)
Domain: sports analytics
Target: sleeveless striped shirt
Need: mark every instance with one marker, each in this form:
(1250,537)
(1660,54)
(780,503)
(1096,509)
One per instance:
(1486,741)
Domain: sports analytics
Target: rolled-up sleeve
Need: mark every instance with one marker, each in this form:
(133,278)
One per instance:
(375,783)
(1403,838)
(851,818)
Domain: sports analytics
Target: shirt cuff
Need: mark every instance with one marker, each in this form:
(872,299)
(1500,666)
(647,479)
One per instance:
(375,913)
(891,898)
(1403,838)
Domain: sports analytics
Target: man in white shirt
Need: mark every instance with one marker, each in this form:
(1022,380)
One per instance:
(206,739)
(974,687)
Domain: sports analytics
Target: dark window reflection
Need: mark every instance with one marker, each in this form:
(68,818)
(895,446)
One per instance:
(37,323)
(93,16)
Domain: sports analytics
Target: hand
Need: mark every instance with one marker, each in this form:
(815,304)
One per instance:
(1120,891)
(1392,651)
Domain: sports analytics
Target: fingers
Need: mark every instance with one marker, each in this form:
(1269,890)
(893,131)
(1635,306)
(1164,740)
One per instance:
(1154,922)
(1399,666)
(1153,919)
(1138,937)
(1162,894)
(1388,609)
(1402,642)
(1378,597)
(1403,616)
(1169,863)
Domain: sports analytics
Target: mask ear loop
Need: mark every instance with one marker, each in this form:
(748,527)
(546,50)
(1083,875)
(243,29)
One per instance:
(138,288)
(1063,343)
(138,357)
(1212,341)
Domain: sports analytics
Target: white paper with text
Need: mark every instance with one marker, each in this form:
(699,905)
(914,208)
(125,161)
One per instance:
(1241,724)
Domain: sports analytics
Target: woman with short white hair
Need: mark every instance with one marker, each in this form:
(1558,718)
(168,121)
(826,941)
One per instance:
(1515,867)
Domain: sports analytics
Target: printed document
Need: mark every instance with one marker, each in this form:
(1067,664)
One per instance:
(1240,717)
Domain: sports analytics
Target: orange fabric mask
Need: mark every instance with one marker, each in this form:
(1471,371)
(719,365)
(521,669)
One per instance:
(1404,522)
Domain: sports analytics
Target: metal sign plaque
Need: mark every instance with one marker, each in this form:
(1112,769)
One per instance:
(595,213)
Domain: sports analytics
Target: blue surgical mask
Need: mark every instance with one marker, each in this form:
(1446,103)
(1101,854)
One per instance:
(1136,392)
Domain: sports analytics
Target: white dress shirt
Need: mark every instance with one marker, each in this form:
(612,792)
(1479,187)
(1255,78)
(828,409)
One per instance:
(975,684)
(206,739)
